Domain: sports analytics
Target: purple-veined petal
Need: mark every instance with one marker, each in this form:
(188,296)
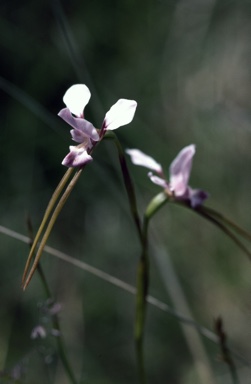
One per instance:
(196,197)
(180,170)
(80,124)
(158,180)
(80,137)
(121,113)
(76,98)
(140,158)
(77,157)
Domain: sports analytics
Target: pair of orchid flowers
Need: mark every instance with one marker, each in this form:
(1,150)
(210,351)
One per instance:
(122,113)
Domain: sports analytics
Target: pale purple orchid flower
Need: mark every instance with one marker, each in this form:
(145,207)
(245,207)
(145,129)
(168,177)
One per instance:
(179,171)
(83,132)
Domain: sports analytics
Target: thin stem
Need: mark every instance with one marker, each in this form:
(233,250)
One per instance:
(226,231)
(127,182)
(143,265)
(141,303)
(52,221)
(49,208)
(143,281)
(242,232)
(225,352)
(220,221)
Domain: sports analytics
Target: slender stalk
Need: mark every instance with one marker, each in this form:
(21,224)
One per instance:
(143,264)
(143,282)
(49,208)
(242,232)
(225,230)
(221,222)
(52,221)
(225,352)
(141,304)
(128,182)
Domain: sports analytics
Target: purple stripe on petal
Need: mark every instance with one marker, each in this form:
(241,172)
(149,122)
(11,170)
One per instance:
(78,123)
(81,138)
(77,157)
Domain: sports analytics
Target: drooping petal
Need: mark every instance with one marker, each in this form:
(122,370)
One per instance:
(77,157)
(76,98)
(196,197)
(158,180)
(140,158)
(180,170)
(121,113)
(84,127)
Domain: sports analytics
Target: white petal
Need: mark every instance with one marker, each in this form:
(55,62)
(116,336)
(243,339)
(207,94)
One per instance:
(120,114)
(76,98)
(158,180)
(140,158)
(180,170)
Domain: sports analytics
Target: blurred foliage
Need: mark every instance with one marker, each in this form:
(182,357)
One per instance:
(187,63)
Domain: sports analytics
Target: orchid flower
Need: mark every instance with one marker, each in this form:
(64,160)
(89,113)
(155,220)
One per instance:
(83,132)
(179,171)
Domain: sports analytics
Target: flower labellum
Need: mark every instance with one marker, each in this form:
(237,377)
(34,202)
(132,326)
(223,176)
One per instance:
(77,157)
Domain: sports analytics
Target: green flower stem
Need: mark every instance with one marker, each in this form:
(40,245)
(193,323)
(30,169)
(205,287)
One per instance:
(143,265)
(49,208)
(127,181)
(51,223)
(143,280)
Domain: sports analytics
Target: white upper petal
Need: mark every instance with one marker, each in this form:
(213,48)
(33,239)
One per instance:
(121,113)
(76,98)
(140,158)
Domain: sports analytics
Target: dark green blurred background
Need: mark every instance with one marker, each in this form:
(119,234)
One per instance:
(187,63)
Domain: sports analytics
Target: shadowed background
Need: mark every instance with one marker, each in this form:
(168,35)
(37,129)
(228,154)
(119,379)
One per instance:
(187,64)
